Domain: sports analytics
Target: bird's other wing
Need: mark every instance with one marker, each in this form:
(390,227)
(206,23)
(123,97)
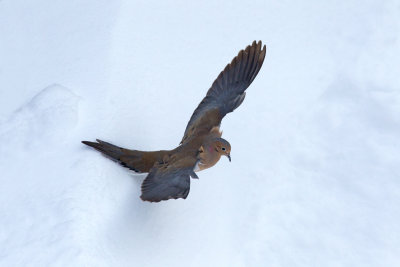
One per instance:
(168,181)
(228,90)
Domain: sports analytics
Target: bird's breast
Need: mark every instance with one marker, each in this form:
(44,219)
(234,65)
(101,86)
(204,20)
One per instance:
(207,159)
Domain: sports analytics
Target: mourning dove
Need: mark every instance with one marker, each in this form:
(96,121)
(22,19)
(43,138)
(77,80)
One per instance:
(169,171)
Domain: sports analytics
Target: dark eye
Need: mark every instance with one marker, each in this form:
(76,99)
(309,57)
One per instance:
(223,148)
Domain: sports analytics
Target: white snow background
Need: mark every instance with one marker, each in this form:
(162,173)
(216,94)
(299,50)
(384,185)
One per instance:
(315,172)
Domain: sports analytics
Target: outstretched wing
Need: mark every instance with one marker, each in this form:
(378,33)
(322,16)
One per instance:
(165,181)
(228,90)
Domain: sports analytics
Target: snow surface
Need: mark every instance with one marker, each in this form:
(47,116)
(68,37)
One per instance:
(315,172)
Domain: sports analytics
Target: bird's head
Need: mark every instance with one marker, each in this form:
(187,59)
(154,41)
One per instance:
(222,147)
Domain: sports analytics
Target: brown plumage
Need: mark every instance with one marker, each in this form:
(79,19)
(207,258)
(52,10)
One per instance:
(201,146)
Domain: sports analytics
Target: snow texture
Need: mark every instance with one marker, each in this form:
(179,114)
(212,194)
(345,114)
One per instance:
(314,177)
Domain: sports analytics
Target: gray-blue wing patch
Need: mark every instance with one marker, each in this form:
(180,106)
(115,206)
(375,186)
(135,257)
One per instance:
(163,184)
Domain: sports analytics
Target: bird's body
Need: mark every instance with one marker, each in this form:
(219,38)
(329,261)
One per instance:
(201,146)
(206,153)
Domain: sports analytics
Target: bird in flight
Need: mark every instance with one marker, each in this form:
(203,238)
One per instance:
(169,171)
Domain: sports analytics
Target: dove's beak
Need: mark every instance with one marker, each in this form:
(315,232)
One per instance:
(229,157)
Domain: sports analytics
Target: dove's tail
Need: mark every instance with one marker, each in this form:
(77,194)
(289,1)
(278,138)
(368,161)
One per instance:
(138,161)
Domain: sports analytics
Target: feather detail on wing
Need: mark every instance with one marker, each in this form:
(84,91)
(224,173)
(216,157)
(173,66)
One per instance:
(228,90)
(167,181)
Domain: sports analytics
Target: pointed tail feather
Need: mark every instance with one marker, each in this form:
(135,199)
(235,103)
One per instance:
(138,161)
(106,148)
